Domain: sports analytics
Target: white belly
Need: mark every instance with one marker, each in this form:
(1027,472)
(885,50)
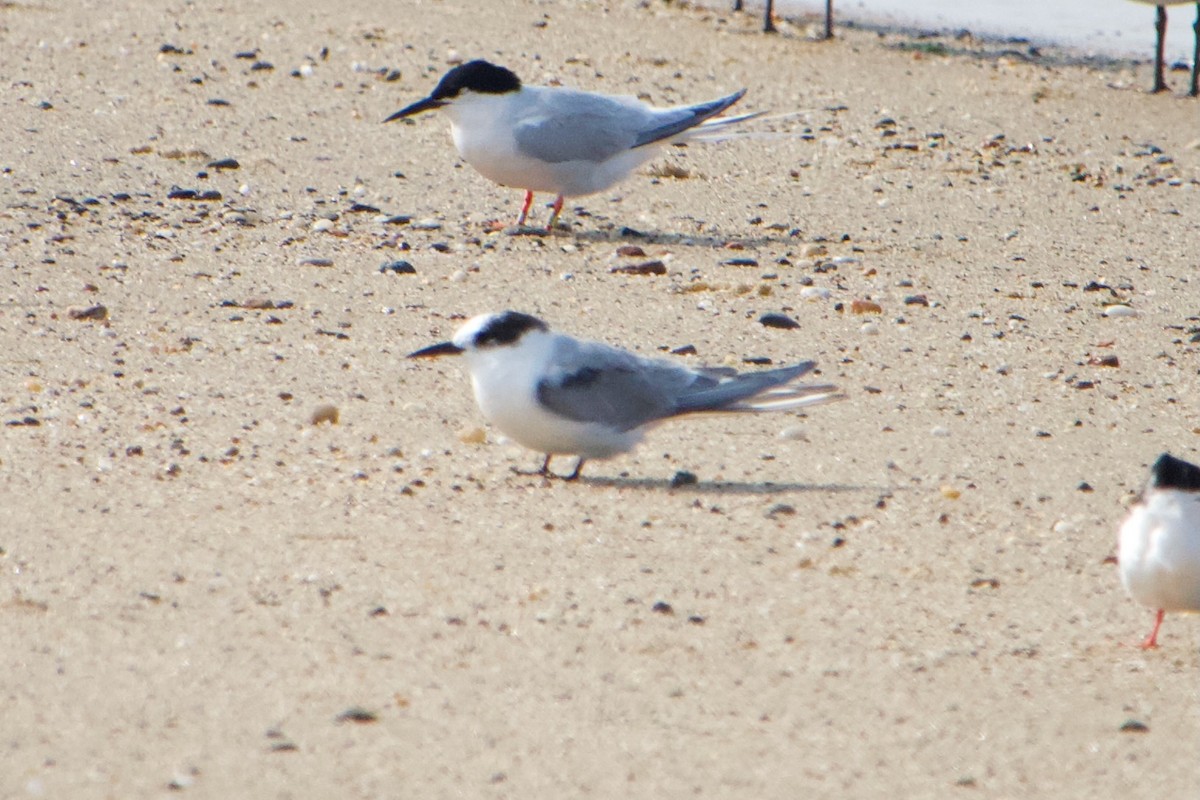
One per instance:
(1160,552)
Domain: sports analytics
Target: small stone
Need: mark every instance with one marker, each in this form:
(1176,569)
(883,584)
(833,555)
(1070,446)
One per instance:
(631,251)
(357,714)
(316,262)
(916,300)
(322,225)
(1119,311)
(655,267)
(472,436)
(94,313)
(950,493)
(815,293)
(773,320)
(663,608)
(684,350)
(325,413)
(794,433)
(1134,726)
(781,509)
(865,307)
(400,267)
(683,478)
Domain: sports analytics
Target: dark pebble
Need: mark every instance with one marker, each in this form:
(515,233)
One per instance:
(356,714)
(646,268)
(778,321)
(259,66)
(1133,726)
(683,478)
(224,163)
(398,268)
(662,608)
(740,262)
(685,350)
(363,208)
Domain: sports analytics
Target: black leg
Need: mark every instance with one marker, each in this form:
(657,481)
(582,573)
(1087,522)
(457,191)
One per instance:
(737,5)
(768,23)
(1160,27)
(578,468)
(828,19)
(1195,90)
(544,471)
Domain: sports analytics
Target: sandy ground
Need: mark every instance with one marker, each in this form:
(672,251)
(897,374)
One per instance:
(905,593)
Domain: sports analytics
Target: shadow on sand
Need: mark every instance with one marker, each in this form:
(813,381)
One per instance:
(728,487)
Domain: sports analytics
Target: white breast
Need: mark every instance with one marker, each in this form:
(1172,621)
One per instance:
(1160,551)
(505,381)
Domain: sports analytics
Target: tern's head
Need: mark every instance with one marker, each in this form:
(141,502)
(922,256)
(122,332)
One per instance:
(486,332)
(478,77)
(1169,472)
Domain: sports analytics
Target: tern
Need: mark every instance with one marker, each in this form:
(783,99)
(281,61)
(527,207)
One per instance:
(562,141)
(562,396)
(1159,547)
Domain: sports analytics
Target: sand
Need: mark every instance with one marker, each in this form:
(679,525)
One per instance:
(907,593)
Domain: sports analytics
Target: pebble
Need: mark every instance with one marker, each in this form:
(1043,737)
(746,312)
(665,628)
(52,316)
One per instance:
(815,293)
(772,320)
(427,225)
(1119,311)
(400,267)
(472,435)
(865,307)
(870,329)
(325,413)
(794,433)
(315,262)
(88,313)
(940,432)
(654,267)
(322,225)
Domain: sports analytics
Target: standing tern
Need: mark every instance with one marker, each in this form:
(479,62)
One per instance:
(557,140)
(1159,547)
(562,396)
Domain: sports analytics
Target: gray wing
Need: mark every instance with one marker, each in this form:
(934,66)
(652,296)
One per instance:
(592,382)
(686,118)
(566,125)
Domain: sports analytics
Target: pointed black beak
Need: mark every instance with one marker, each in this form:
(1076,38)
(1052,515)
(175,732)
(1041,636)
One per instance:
(437,350)
(427,104)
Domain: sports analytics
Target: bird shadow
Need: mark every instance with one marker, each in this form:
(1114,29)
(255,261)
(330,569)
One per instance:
(627,235)
(727,487)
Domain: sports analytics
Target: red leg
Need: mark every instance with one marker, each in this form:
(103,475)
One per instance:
(558,204)
(1152,640)
(525,208)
